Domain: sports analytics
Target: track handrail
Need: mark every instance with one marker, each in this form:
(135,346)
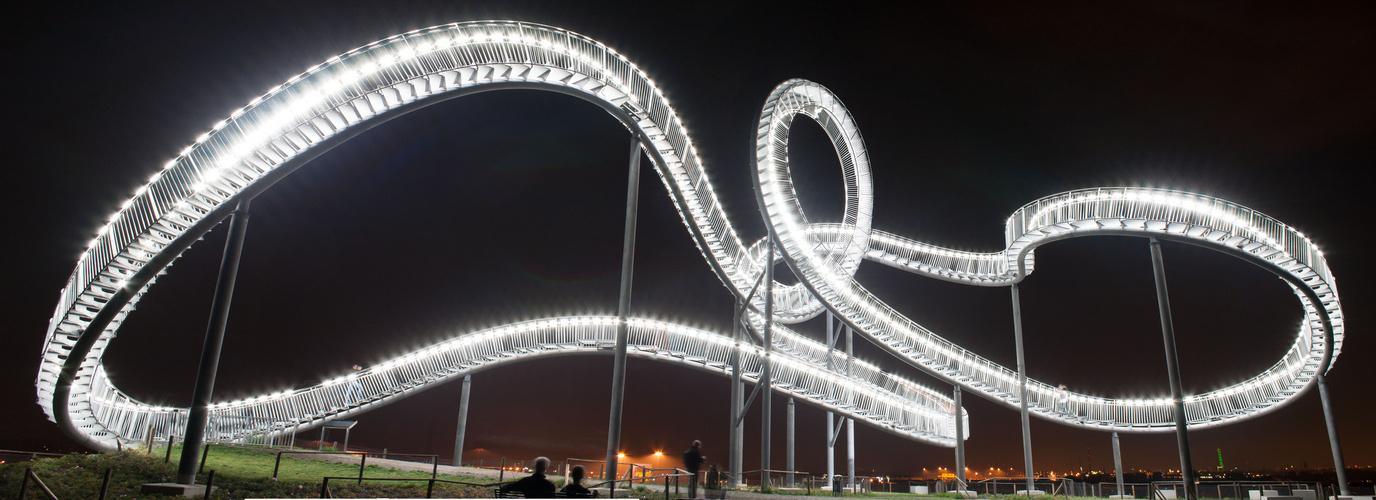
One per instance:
(334,101)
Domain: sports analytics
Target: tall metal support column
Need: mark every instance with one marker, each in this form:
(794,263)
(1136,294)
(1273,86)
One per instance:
(960,441)
(1182,437)
(766,371)
(831,418)
(850,422)
(788,482)
(1118,464)
(737,444)
(199,415)
(1022,394)
(623,309)
(1338,465)
(463,420)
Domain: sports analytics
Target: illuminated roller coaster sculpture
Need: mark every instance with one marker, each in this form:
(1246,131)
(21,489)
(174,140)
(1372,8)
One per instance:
(334,101)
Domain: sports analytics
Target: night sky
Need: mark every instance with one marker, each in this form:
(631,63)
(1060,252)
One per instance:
(508,206)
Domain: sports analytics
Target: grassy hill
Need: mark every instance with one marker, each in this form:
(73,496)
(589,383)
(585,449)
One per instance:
(239,473)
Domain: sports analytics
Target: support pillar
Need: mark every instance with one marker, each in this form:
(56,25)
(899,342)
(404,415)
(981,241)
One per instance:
(960,441)
(831,418)
(1022,394)
(1338,465)
(850,422)
(788,482)
(767,373)
(737,444)
(463,420)
(623,309)
(199,415)
(1118,465)
(1182,436)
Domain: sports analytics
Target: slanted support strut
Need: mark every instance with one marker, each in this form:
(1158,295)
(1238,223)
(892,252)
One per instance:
(1022,393)
(788,481)
(850,422)
(623,309)
(1182,436)
(960,441)
(832,431)
(199,415)
(463,420)
(1332,424)
(1118,464)
(766,372)
(737,439)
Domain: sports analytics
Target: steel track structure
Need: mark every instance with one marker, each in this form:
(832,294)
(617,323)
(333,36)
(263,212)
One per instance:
(330,103)
(868,394)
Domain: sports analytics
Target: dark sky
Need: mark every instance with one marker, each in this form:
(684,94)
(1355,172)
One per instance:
(507,206)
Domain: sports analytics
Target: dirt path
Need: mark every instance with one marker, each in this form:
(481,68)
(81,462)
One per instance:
(406,465)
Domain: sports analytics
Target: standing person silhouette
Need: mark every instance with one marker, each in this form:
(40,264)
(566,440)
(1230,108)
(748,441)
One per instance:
(692,462)
(535,485)
(355,391)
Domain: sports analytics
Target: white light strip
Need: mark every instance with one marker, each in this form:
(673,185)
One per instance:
(290,119)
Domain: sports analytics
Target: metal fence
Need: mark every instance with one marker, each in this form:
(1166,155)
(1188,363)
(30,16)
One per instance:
(1155,490)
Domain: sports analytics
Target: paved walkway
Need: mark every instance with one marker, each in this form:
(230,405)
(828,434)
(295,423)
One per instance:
(409,465)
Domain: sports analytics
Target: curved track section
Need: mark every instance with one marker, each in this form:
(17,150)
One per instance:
(869,395)
(820,256)
(346,95)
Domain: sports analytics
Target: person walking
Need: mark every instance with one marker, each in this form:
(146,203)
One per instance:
(354,394)
(692,462)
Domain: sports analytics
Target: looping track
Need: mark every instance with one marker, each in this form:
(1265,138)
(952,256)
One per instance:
(336,100)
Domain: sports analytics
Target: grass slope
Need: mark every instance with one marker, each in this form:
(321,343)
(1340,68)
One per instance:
(239,473)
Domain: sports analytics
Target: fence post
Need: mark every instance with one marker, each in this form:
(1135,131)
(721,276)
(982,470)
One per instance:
(104,485)
(30,475)
(363,462)
(170,440)
(24,483)
(205,452)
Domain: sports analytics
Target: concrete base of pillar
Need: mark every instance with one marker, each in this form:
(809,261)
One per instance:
(185,490)
(1034,493)
(964,493)
(1121,496)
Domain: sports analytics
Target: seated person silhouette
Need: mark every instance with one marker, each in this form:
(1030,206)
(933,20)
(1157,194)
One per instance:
(575,487)
(534,485)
